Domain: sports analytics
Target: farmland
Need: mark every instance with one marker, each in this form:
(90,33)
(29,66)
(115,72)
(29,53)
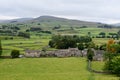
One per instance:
(71,68)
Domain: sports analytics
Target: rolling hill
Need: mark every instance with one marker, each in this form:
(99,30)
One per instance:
(52,21)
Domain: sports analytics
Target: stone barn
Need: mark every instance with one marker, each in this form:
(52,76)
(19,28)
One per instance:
(32,53)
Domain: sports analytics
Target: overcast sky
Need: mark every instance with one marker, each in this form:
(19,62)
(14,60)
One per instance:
(107,11)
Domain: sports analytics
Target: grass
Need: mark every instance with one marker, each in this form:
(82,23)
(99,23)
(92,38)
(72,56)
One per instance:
(34,43)
(98,65)
(48,69)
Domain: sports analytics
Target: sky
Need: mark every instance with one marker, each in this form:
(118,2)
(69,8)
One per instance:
(105,11)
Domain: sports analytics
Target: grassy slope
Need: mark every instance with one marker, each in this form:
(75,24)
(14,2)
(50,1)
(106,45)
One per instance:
(48,69)
(22,44)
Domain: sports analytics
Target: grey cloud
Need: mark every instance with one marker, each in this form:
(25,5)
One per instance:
(94,9)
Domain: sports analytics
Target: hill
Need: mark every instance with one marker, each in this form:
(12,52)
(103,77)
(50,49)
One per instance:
(52,21)
(117,24)
(15,20)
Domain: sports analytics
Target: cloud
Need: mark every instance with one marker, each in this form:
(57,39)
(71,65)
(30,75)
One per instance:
(93,10)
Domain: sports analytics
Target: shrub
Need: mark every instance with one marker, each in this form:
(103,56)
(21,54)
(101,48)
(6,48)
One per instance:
(113,65)
(90,54)
(15,53)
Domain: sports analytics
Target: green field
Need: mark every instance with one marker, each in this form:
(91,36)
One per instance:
(48,69)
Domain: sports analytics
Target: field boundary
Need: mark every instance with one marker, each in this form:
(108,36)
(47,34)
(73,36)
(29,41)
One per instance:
(95,71)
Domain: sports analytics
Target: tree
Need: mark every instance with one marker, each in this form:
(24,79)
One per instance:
(15,53)
(81,47)
(113,65)
(90,54)
(110,42)
(102,34)
(24,34)
(89,34)
(0,48)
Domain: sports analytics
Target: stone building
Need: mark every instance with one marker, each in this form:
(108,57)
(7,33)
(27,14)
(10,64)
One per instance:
(98,55)
(32,53)
(67,52)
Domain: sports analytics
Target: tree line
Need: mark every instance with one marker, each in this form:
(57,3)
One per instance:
(64,42)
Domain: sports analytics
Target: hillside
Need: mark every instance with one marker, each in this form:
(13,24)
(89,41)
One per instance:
(15,20)
(52,21)
(117,24)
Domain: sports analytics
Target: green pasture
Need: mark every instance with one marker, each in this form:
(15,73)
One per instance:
(49,69)
(22,44)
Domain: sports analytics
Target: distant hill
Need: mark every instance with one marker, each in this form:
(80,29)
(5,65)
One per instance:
(117,25)
(51,21)
(15,20)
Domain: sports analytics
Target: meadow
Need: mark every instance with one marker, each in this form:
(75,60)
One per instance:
(49,69)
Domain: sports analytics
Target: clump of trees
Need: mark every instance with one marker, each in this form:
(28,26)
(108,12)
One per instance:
(112,57)
(24,34)
(64,42)
(90,54)
(15,53)
(110,35)
(35,29)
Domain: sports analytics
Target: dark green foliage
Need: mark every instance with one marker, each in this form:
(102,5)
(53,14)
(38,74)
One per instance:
(27,30)
(64,42)
(48,32)
(103,47)
(24,34)
(102,33)
(39,24)
(118,33)
(57,27)
(80,46)
(35,29)
(15,53)
(113,65)
(84,27)
(114,35)
(90,54)
(116,47)
(109,56)
(85,39)
(89,34)
(4,26)
(15,28)
(0,48)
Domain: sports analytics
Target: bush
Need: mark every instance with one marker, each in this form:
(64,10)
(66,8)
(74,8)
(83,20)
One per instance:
(15,53)
(90,54)
(113,65)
